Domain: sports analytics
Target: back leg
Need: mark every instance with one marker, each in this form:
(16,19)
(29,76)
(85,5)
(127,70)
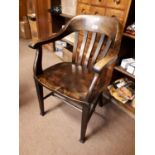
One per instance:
(103,101)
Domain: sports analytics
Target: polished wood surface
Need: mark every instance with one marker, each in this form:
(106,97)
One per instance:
(80,81)
(115,8)
(122,70)
(98,2)
(99,24)
(39,18)
(22,9)
(119,4)
(68,79)
(124,11)
(83,9)
(96,10)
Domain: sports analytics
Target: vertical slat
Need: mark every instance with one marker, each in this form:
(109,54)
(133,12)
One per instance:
(82,47)
(75,47)
(73,68)
(79,69)
(98,48)
(104,52)
(90,48)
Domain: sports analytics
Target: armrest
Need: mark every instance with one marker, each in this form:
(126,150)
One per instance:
(38,43)
(105,62)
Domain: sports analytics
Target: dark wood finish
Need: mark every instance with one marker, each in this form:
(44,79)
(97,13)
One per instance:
(129,35)
(120,69)
(66,16)
(85,1)
(42,18)
(119,4)
(22,9)
(115,8)
(74,79)
(39,18)
(127,50)
(98,2)
(108,43)
(90,48)
(119,14)
(80,82)
(75,47)
(39,90)
(37,67)
(97,10)
(83,9)
(84,122)
(82,47)
(98,48)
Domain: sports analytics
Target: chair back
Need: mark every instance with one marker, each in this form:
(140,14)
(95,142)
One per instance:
(98,33)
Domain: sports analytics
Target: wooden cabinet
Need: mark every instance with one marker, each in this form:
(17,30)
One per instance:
(84,1)
(127,50)
(115,8)
(39,18)
(119,14)
(96,10)
(83,8)
(22,9)
(118,4)
(98,2)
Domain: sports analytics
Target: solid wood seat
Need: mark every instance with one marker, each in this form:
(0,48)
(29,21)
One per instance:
(83,79)
(67,79)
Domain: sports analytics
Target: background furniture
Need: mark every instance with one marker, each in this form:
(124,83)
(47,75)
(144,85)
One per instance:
(22,9)
(127,50)
(80,83)
(39,18)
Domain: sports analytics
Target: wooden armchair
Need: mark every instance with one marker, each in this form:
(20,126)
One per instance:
(80,82)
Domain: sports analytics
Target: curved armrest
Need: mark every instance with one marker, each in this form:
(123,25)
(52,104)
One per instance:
(105,62)
(54,37)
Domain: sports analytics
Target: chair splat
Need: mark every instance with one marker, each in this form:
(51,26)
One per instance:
(90,48)
(82,47)
(98,49)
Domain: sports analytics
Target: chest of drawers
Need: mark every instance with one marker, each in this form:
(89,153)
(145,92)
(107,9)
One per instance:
(115,8)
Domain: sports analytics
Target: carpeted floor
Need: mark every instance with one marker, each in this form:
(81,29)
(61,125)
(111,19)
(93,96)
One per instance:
(110,130)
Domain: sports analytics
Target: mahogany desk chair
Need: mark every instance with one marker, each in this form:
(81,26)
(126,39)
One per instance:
(80,82)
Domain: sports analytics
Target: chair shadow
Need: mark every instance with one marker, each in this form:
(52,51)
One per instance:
(104,120)
(109,116)
(25,97)
(99,126)
(61,104)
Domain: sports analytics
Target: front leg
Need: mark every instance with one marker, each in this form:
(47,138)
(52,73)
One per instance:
(37,66)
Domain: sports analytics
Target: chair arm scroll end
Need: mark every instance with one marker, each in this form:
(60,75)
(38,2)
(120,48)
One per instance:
(33,45)
(103,63)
